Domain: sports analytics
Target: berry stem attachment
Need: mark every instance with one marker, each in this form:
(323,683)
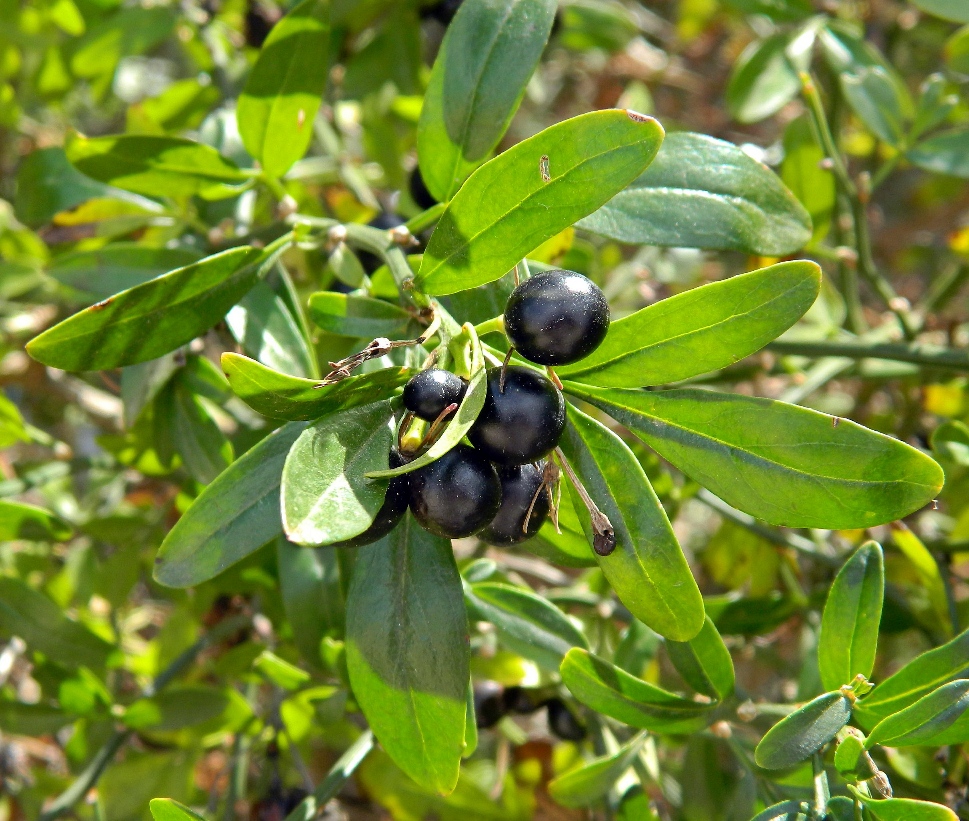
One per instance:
(550,477)
(504,369)
(554,377)
(604,535)
(437,426)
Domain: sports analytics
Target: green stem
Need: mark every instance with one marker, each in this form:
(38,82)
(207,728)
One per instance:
(495,325)
(943,289)
(822,793)
(274,185)
(312,805)
(924,355)
(379,242)
(425,219)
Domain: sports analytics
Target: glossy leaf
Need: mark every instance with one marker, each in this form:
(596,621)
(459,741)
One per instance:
(309,584)
(751,453)
(701,192)
(615,693)
(849,624)
(325,497)
(153,166)
(279,396)
(805,731)
(282,95)
(527,624)
(167,809)
(479,76)
(151,319)
(233,517)
(925,720)
(904,809)
(765,77)
(507,208)
(408,654)
(117,267)
(945,153)
(647,569)
(262,323)
(704,662)
(591,782)
(701,330)
(31,523)
(358,316)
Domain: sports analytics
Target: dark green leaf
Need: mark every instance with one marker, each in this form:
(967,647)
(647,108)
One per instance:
(704,662)
(507,208)
(923,722)
(32,616)
(282,95)
(279,396)
(358,316)
(262,323)
(205,450)
(765,77)
(152,319)
(849,625)
(590,782)
(479,76)
(945,153)
(751,453)
(647,569)
(309,583)
(904,809)
(876,100)
(167,809)
(325,496)
(408,654)
(700,330)
(785,811)
(954,10)
(705,193)
(804,732)
(176,708)
(619,695)
(20,521)
(153,166)
(527,624)
(951,441)
(32,719)
(233,517)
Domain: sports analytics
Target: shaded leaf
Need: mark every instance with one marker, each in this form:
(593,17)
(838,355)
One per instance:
(176,708)
(904,809)
(805,731)
(31,523)
(765,77)
(358,316)
(953,10)
(309,583)
(785,811)
(118,267)
(704,662)
(590,782)
(924,721)
(17,718)
(945,153)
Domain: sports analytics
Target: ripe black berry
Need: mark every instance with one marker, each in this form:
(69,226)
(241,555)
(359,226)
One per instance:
(520,484)
(488,705)
(418,190)
(391,511)
(428,393)
(562,723)
(556,317)
(384,221)
(523,701)
(522,423)
(456,495)
(442,11)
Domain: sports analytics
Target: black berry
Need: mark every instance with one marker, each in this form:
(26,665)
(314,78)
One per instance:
(391,511)
(443,11)
(456,495)
(428,393)
(556,317)
(418,190)
(523,422)
(384,221)
(523,701)
(489,707)
(562,722)
(520,484)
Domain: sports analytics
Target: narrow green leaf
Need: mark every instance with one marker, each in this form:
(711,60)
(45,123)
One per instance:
(701,192)
(358,316)
(591,782)
(280,672)
(929,575)
(479,76)
(234,516)
(30,523)
(262,323)
(647,569)
(408,654)
(507,207)
(751,453)
(325,497)
(904,809)
(701,330)
(282,95)
(951,441)
(849,625)
(613,692)
(785,811)
(205,450)
(17,718)
(312,806)
(118,267)
(954,10)
(805,731)
(176,708)
(704,662)
(47,184)
(151,319)
(153,166)
(11,427)
(279,396)
(925,720)
(876,100)
(765,77)
(168,809)
(945,153)
(527,624)
(309,583)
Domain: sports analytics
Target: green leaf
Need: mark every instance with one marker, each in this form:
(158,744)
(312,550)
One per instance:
(591,782)
(280,672)
(279,396)
(751,453)
(506,208)
(325,496)
(904,809)
(701,192)
(848,755)
(701,330)
(234,516)
(309,583)
(527,624)
(765,77)
(358,316)
(647,569)
(262,323)
(106,271)
(803,174)
(282,95)
(805,731)
(32,616)
(929,575)
(951,441)
(785,811)
(954,10)
(924,721)
(945,153)
(152,319)
(30,523)
(47,184)
(704,662)
(176,708)
(32,719)
(874,97)
(205,450)
(479,76)
(849,625)
(408,653)
(153,166)
(167,809)
(11,428)
(609,690)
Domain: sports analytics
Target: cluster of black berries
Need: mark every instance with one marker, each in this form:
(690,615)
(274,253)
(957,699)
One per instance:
(492,702)
(497,487)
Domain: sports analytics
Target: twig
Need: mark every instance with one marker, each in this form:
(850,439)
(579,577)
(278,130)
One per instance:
(929,356)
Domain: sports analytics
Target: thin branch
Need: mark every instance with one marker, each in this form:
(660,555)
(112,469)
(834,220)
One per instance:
(927,356)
